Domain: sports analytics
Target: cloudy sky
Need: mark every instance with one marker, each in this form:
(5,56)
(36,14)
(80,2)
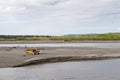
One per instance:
(59,17)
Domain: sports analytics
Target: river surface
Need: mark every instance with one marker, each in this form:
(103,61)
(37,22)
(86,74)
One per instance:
(84,70)
(103,45)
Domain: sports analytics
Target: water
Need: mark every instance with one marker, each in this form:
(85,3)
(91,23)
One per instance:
(103,45)
(84,70)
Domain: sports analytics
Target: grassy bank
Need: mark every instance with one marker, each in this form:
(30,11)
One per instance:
(107,36)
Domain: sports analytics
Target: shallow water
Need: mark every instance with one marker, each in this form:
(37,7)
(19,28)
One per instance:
(102,45)
(84,70)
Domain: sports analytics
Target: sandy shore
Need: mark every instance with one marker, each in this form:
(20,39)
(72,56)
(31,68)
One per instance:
(15,56)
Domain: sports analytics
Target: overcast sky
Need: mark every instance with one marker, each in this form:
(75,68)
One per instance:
(59,17)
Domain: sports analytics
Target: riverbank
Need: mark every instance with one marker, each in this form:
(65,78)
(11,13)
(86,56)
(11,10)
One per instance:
(15,56)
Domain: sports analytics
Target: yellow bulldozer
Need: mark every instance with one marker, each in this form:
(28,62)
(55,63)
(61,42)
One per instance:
(32,51)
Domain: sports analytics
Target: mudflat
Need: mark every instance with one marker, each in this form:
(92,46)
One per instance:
(58,41)
(13,56)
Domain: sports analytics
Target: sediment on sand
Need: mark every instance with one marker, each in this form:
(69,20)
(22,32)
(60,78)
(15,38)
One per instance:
(15,56)
(64,59)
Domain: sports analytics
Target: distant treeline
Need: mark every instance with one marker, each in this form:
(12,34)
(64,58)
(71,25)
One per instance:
(107,36)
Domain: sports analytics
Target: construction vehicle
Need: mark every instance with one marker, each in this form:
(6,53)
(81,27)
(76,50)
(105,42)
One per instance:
(32,51)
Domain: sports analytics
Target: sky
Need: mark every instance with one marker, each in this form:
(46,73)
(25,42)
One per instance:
(59,17)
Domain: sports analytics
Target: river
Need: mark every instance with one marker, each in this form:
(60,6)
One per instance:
(84,70)
(103,45)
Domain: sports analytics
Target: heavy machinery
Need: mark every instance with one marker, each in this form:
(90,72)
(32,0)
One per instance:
(32,51)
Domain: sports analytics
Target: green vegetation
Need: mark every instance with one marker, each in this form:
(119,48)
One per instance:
(107,36)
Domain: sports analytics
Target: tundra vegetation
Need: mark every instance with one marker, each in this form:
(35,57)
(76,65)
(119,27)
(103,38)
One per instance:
(70,37)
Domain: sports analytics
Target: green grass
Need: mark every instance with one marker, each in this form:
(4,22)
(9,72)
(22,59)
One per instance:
(107,36)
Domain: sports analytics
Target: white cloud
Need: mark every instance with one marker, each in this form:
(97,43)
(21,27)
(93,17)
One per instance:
(11,9)
(60,13)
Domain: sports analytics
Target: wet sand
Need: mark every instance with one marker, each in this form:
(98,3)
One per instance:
(15,56)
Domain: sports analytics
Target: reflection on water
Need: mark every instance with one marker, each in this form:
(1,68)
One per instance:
(90,70)
(104,45)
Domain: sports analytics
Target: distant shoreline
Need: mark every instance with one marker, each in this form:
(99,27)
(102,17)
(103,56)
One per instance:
(63,38)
